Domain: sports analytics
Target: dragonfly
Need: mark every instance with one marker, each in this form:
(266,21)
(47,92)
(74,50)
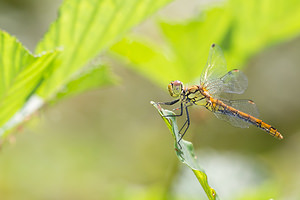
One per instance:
(217,85)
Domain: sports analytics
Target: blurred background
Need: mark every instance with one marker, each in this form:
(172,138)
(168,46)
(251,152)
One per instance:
(111,143)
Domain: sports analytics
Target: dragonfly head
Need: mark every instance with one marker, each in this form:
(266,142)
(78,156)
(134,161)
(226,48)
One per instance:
(175,88)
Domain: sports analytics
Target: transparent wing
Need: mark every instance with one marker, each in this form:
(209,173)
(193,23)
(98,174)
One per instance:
(234,81)
(234,121)
(215,67)
(244,105)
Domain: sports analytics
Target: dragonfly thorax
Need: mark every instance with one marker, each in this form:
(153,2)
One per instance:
(175,88)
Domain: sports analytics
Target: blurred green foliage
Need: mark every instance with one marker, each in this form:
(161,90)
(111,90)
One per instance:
(241,28)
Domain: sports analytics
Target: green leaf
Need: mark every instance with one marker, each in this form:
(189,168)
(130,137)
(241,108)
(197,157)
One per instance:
(241,28)
(91,78)
(147,59)
(185,153)
(86,28)
(258,24)
(185,52)
(22,74)
(83,29)
(13,59)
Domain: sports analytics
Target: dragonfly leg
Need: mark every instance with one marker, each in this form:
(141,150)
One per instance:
(186,122)
(178,115)
(183,126)
(170,102)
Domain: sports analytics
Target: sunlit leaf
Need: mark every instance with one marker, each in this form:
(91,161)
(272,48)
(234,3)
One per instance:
(185,52)
(86,28)
(83,29)
(258,24)
(22,74)
(185,152)
(147,59)
(13,58)
(241,28)
(91,78)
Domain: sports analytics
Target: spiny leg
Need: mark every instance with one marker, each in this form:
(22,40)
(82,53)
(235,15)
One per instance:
(186,106)
(186,122)
(183,126)
(171,103)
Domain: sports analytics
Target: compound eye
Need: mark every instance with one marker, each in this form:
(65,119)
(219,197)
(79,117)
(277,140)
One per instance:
(175,88)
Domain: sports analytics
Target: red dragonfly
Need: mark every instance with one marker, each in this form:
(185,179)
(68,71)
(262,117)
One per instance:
(214,93)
